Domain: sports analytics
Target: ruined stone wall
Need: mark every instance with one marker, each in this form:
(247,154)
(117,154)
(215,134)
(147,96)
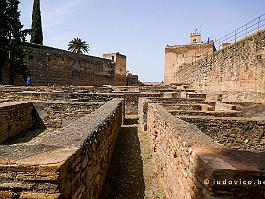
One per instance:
(71,162)
(15,118)
(53,89)
(238,133)
(132,80)
(239,67)
(61,114)
(142,112)
(76,94)
(50,66)
(170,104)
(120,67)
(191,165)
(58,96)
(83,175)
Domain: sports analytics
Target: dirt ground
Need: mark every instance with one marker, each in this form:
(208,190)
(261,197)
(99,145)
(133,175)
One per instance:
(132,173)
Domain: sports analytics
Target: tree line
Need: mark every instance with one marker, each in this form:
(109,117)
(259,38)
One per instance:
(11,36)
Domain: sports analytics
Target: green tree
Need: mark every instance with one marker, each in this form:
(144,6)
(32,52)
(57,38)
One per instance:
(36,27)
(78,46)
(3,33)
(10,36)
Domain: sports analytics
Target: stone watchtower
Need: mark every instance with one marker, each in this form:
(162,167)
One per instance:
(176,56)
(195,38)
(120,67)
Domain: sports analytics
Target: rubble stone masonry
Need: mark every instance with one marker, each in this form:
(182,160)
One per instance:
(51,66)
(71,162)
(191,165)
(15,118)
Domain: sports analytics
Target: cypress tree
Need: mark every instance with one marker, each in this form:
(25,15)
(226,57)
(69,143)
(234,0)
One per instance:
(36,27)
(3,36)
(3,33)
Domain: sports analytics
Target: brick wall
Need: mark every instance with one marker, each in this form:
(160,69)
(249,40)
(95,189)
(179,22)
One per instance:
(15,118)
(239,67)
(191,165)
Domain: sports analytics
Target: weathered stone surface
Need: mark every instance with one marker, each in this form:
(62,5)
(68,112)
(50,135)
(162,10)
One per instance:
(178,55)
(237,70)
(71,162)
(235,132)
(30,195)
(51,66)
(191,165)
(15,118)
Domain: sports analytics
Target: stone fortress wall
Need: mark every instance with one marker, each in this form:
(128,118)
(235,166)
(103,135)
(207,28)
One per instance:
(50,66)
(119,61)
(178,55)
(237,68)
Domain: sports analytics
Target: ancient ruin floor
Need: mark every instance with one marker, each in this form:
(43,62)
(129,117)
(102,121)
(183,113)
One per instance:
(132,172)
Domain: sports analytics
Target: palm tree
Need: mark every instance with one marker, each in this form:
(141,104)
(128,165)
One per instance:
(78,46)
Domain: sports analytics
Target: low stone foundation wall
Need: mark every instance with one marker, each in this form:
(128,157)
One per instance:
(75,94)
(71,162)
(235,132)
(193,106)
(15,118)
(52,89)
(191,165)
(178,100)
(172,104)
(196,95)
(60,114)
(207,113)
(142,112)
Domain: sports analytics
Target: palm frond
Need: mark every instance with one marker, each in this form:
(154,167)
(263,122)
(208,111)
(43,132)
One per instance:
(77,45)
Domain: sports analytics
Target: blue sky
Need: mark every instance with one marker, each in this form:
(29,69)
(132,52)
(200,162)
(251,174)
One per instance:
(139,29)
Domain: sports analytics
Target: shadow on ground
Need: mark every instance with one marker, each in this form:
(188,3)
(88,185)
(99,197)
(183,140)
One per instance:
(125,178)
(36,129)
